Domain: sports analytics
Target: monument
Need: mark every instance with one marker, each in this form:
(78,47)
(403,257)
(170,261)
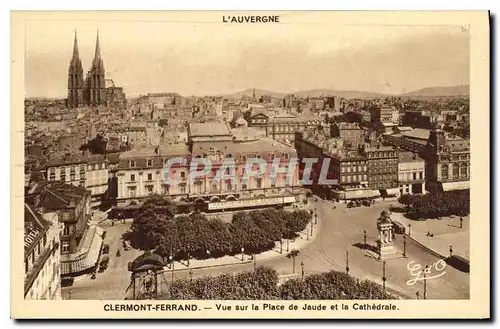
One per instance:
(144,277)
(385,242)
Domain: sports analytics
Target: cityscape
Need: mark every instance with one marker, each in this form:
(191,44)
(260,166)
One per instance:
(255,194)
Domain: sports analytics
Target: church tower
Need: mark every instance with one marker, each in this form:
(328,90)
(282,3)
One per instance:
(95,83)
(75,78)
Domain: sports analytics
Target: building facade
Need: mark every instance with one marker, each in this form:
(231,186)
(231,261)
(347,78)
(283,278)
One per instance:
(446,155)
(142,172)
(41,255)
(382,164)
(89,171)
(411,173)
(350,133)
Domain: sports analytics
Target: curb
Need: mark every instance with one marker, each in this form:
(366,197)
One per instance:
(435,253)
(167,269)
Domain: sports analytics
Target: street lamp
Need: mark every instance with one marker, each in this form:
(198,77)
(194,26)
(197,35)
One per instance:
(451,251)
(302,265)
(364,238)
(425,281)
(409,229)
(347,262)
(383,276)
(281,243)
(69,293)
(404,246)
(288,241)
(173,265)
(461,222)
(242,253)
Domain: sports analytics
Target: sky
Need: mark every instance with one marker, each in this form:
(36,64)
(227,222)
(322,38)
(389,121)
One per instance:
(203,58)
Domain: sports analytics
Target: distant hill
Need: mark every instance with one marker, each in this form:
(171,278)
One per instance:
(440,91)
(339,93)
(306,93)
(258,93)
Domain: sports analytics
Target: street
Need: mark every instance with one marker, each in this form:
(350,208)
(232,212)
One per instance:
(340,230)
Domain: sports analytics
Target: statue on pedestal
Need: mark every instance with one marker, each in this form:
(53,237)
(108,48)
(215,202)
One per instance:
(386,232)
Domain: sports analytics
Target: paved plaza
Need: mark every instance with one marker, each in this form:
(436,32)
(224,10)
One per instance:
(339,230)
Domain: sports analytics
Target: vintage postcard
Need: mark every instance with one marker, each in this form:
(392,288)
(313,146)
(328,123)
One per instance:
(259,164)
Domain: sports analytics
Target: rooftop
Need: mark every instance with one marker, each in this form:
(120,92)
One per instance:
(409,157)
(209,129)
(55,195)
(418,133)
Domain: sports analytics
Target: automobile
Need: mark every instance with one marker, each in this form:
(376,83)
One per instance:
(366,203)
(459,263)
(398,227)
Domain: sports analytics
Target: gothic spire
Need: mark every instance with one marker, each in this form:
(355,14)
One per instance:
(97,55)
(75,48)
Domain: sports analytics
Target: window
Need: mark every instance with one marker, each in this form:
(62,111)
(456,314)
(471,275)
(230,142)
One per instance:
(65,247)
(183,188)
(132,164)
(444,171)
(258,182)
(131,192)
(455,170)
(183,174)
(463,170)
(243,186)
(166,189)
(414,176)
(149,162)
(132,178)
(150,176)
(421,175)
(82,167)
(149,189)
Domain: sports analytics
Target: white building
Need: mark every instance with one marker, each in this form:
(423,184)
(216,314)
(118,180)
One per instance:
(41,255)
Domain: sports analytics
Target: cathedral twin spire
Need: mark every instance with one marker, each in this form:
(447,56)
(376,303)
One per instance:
(92,92)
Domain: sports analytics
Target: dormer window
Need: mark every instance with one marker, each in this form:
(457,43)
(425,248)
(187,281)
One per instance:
(149,162)
(132,164)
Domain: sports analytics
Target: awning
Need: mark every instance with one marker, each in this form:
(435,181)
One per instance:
(392,191)
(87,256)
(357,194)
(463,185)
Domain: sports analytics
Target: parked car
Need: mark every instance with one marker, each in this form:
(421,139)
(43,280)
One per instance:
(399,228)
(459,263)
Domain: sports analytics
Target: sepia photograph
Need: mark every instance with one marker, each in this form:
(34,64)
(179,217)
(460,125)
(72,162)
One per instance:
(212,157)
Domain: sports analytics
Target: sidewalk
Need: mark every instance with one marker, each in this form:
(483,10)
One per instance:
(445,234)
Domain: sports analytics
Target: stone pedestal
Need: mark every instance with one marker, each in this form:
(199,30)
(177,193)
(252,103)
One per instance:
(385,242)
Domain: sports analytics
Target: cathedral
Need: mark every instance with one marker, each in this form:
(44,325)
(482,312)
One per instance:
(91,91)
